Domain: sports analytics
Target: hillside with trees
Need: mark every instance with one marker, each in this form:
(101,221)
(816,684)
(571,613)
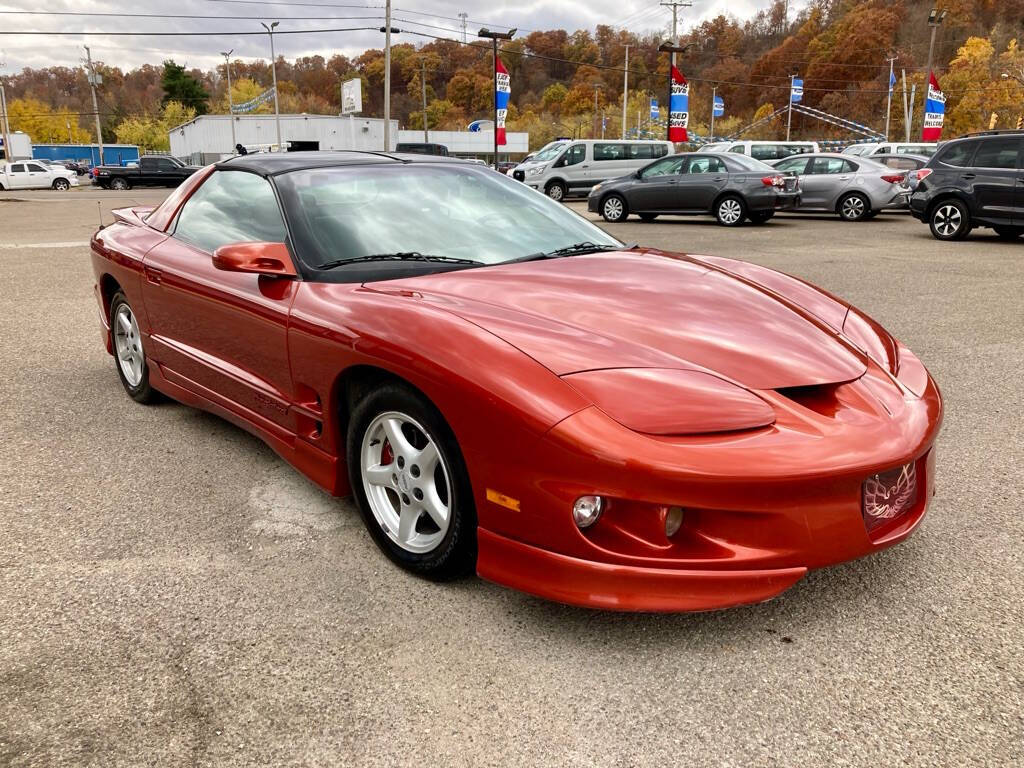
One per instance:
(840,48)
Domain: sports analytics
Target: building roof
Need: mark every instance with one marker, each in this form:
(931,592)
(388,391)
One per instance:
(270,163)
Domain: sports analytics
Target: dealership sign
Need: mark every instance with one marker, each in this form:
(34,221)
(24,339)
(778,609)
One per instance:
(352,96)
(934,111)
(678,107)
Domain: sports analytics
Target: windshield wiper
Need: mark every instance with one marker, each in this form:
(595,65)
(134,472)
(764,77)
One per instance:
(578,248)
(398,256)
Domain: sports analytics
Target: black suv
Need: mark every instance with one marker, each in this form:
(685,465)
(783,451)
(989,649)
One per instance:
(974,181)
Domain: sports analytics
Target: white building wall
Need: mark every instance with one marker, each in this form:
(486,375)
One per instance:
(211,134)
(471,143)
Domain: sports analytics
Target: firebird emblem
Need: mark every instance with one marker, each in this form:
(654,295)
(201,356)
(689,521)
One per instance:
(889,494)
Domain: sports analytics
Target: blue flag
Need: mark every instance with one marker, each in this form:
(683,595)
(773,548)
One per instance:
(892,80)
(797,92)
(655,112)
(719,108)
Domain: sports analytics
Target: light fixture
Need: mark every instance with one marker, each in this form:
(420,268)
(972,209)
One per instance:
(673,521)
(586,510)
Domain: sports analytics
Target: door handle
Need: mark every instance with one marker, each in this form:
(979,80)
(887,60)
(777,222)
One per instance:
(721,178)
(967,176)
(152,275)
(585,165)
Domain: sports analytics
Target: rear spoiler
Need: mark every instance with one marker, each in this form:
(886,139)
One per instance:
(134,216)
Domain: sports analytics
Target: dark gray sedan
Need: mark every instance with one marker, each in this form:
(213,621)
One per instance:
(730,187)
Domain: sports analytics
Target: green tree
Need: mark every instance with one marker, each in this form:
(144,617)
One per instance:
(180,86)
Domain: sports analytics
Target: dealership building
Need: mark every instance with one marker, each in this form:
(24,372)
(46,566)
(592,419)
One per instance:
(208,138)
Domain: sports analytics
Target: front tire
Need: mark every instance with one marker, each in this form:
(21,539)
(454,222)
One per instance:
(950,220)
(120,184)
(614,209)
(854,207)
(129,355)
(410,483)
(730,211)
(555,190)
(61,185)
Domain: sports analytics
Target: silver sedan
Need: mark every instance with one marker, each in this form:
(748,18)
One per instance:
(856,188)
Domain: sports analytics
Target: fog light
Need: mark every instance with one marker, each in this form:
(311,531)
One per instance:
(673,521)
(586,510)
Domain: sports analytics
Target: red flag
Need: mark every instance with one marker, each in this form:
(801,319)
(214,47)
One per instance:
(934,111)
(678,107)
(502,91)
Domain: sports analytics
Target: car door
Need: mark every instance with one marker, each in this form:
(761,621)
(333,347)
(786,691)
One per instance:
(218,333)
(39,176)
(705,177)
(574,166)
(17,176)
(657,188)
(824,182)
(994,177)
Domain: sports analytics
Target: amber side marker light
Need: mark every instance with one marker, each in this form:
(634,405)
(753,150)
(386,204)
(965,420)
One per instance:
(502,500)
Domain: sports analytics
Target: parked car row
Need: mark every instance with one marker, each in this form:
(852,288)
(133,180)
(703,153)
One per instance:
(34,174)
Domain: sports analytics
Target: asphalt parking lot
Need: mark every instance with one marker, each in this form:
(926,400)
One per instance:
(174,594)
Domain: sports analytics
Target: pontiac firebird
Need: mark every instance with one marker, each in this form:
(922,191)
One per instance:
(502,386)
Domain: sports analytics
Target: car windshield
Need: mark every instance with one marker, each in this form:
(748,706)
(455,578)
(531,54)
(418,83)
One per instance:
(447,211)
(550,152)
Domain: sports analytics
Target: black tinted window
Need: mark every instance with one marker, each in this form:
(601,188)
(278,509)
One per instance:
(705,164)
(575,154)
(659,150)
(231,207)
(609,152)
(766,152)
(959,154)
(998,153)
(17,168)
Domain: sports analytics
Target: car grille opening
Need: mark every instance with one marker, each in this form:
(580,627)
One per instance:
(820,398)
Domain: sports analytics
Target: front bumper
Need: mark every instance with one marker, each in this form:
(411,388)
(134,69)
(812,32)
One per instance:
(762,507)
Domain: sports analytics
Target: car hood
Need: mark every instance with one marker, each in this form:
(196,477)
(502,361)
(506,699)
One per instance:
(643,309)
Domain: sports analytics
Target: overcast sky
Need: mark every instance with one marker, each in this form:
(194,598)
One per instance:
(20,50)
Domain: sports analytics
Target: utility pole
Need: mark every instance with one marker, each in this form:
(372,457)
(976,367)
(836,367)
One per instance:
(888,99)
(273,74)
(714,94)
(906,109)
(675,5)
(464,16)
(93,82)
(935,18)
(625,90)
(387,76)
(231,106)
(789,115)
(5,128)
(597,87)
(423,87)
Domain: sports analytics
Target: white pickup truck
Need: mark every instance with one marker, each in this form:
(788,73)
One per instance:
(31,174)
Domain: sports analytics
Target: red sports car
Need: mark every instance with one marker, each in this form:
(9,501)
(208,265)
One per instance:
(505,387)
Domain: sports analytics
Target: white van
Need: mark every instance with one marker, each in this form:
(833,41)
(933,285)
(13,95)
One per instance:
(763,150)
(566,167)
(891,148)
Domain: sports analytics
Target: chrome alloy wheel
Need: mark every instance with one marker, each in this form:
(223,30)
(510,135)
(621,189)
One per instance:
(612,209)
(407,482)
(947,220)
(128,345)
(853,207)
(730,211)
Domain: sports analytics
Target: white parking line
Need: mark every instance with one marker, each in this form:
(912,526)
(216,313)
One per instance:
(64,244)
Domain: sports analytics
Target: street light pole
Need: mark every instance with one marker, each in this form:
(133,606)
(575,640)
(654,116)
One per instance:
(714,95)
(888,100)
(387,76)
(789,114)
(5,128)
(231,106)
(273,74)
(935,19)
(95,104)
(625,91)
(494,37)
(423,88)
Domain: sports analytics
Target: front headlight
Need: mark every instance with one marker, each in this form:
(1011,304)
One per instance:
(595,188)
(536,171)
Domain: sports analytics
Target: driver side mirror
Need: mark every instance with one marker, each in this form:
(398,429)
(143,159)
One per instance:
(271,259)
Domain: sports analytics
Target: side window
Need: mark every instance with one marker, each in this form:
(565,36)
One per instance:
(609,152)
(830,165)
(797,164)
(230,207)
(659,150)
(740,149)
(18,168)
(959,155)
(164,164)
(998,153)
(35,168)
(640,151)
(765,152)
(667,167)
(705,164)
(577,153)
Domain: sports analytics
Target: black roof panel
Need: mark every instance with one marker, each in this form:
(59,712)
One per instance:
(270,163)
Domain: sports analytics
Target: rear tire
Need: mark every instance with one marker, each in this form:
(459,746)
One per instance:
(555,190)
(730,211)
(386,500)
(950,220)
(614,209)
(854,207)
(120,184)
(1009,233)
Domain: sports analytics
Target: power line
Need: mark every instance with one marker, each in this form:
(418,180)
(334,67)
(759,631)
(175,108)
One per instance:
(192,34)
